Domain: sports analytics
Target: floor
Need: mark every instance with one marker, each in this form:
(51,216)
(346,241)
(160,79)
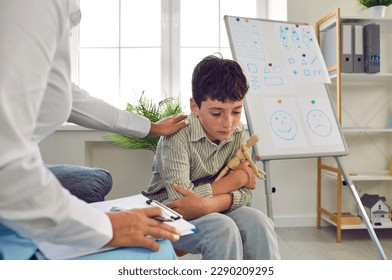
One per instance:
(309,243)
(313,244)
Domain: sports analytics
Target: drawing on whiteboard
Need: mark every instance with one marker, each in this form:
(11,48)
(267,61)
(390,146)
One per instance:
(306,37)
(283,125)
(283,35)
(253,76)
(294,35)
(319,123)
(302,56)
(284,122)
(247,37)
(267,77)
(273,75)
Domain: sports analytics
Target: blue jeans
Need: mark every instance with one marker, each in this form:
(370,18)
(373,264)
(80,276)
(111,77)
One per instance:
(16,247)
(86,183)
(166,252)
(245,233)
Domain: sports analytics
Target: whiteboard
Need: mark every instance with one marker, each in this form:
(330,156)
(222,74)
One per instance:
(287,105)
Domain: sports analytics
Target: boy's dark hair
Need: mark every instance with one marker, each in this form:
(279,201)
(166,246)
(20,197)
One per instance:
(218,79)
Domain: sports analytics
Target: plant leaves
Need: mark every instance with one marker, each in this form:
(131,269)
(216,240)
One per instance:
(147,108)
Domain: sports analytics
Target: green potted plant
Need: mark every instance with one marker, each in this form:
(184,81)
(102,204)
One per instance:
(372,3)
(377,8)
(154,112)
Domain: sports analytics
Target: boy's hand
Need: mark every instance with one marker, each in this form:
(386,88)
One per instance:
(244,170)
(191,206)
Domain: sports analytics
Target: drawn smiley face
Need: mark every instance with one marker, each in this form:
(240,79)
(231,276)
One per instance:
(283,125)
(319,123)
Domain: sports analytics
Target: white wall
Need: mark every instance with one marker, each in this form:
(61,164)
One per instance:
(294,203)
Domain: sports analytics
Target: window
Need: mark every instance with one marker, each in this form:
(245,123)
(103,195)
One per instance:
(124,47)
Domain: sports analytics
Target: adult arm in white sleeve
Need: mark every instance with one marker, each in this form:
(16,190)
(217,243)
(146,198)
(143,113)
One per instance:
(95,113)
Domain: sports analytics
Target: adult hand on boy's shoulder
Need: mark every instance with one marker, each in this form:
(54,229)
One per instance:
(168,125)
(191,206)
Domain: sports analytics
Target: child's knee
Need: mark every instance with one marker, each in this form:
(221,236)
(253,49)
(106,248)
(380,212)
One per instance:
(257,218)
(226,225)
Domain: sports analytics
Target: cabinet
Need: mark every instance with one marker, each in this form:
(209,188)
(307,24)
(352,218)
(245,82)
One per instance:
(363,104)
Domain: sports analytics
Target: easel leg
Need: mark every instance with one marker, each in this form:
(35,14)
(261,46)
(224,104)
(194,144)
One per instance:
(319,193)
(369,227)
(339,207)
(268,189)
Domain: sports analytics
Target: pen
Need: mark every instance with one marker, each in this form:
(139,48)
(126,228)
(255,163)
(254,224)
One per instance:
(159,218)
(170,212)
(117,209)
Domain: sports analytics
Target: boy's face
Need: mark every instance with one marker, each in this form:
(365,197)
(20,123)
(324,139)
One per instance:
(219,119)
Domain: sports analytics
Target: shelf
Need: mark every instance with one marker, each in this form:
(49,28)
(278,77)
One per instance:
(366,130)
(385,23)
(360,226)
(371,176)
(364,78)
(365,176)
(361,83)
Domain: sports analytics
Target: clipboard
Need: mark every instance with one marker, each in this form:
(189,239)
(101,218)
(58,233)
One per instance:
(61,252)
(168,215)
(141,201)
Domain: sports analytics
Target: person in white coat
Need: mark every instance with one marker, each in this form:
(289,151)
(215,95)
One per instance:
(35,99)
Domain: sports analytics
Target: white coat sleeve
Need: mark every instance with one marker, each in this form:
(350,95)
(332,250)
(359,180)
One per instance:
(95,113)
(34,73)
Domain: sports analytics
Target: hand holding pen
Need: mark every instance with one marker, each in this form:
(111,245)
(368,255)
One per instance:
(135,227)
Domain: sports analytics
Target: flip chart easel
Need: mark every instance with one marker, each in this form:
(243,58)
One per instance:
(288,104)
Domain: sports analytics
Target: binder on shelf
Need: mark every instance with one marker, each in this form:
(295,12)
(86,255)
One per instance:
(390,121)
(347,48)
(371,48)
(358,65)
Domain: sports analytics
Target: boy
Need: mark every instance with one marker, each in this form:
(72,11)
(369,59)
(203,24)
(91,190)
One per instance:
(187,163)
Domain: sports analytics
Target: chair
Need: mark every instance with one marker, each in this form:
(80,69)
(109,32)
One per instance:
(180,253)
